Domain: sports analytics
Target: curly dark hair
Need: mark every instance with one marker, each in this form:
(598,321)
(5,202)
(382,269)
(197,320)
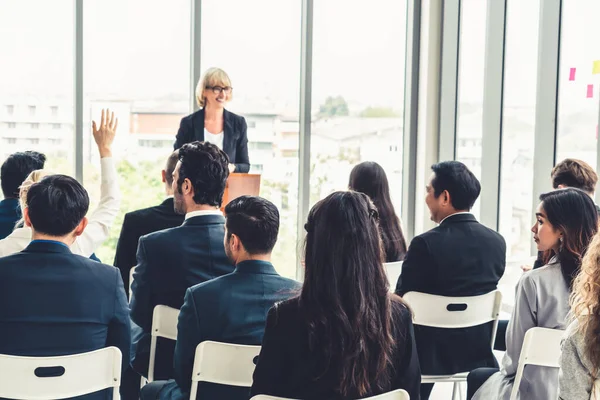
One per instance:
(207,168)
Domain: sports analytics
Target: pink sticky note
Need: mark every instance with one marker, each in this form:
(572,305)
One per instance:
(572,74)
(590,91)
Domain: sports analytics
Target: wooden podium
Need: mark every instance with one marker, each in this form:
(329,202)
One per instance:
(240,185)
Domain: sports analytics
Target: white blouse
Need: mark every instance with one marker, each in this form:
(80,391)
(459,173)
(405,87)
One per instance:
(217,139)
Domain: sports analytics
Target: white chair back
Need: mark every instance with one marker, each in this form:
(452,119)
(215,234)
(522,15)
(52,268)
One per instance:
(223,363)
(398,394)
(131,272)
(45,378)
(541,346)
(164,324)
(393,270)
(455,312)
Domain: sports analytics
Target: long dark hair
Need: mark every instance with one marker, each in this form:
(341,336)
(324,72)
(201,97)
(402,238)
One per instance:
(345,297)
(573,212)
(370,178)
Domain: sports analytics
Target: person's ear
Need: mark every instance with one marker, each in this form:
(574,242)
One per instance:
(163,174)
(187,187)
(81,227)
(26,218)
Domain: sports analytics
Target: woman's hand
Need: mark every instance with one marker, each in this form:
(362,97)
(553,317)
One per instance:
(105,135)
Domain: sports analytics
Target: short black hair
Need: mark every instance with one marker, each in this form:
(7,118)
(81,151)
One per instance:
(170,166)
(207,168)
(56,205)
(571,172)
(459,181)
(16,168)
(255,221)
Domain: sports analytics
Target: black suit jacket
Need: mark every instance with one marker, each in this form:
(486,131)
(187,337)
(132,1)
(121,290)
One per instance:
(235,136)
(230,309)
(288,367)
(460,257)
(169,262)
(53,302)
(137,224)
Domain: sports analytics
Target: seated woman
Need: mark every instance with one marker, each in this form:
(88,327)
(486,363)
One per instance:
(369,178)
(566,224)
(344,336)
(100,221)
(580,357)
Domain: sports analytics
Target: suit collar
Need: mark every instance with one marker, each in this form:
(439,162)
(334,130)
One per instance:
(228,132)
(205,220)
(255,267)
(168,202)
(46,246)
(459,217)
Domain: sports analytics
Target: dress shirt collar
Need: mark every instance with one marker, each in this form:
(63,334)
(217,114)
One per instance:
(202,212)
(452,215)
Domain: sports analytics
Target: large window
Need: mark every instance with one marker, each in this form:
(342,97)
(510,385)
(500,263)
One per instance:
(518,127)
(470,86)
(358,92)
(579,82)
(264,66)
(37,75)
(139,68)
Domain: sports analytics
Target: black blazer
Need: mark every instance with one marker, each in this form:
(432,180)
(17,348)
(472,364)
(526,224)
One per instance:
(230,309)
(287,367)
(53,302)
(169,262)
(235,136)
(460,257)
(137,224)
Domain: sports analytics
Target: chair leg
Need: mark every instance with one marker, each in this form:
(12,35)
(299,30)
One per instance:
(460,392)
(454,387)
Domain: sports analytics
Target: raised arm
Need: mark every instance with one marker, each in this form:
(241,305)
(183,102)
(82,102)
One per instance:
(103,216)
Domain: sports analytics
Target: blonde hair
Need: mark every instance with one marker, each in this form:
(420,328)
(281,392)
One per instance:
(33,177)
(585,303)
(211,77)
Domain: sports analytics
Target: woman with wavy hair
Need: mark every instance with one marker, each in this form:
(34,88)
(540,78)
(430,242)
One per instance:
(566,222)
(580,357)
(345,336)
(369,178)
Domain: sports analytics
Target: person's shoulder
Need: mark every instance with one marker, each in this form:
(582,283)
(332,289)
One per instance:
(215,285)
(164,234)
(286,309)
(193,116)
(399,309)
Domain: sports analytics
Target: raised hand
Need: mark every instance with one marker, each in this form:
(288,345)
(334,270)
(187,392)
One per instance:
(105,134)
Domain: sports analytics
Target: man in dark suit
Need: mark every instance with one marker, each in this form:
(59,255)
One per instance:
(172,260)
(12,174)
(142,222)
(460,257)
(53,302)
(234,307)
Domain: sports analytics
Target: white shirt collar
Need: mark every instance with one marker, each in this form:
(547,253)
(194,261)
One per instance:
(202,212)
(451,215)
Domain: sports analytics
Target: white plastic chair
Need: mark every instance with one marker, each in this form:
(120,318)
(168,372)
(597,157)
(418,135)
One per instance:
(431,310)
(223,363)
(164,324)
(398,394)
(393,270)
(541,346)
(81,374)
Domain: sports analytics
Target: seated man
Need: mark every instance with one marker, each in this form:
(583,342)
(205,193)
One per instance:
(13,172)
(142,222)
(53,302)
(172,260)
(234,307)
(460,257)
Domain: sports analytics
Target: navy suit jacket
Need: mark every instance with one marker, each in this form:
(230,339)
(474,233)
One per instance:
(137,224)
(235,136)
(53,302)
(230,309)
(10,213)
(460,257)
(169,262)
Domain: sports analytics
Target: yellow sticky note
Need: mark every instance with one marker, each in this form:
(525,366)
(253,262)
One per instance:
(596,69)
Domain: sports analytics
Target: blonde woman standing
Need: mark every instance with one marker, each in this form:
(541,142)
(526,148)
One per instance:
(214,124)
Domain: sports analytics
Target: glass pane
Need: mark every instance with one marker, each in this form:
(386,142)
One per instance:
(36,80)
(264,66)
(518,136)
(579,84)
(470,86)
(357,93)
(142,73)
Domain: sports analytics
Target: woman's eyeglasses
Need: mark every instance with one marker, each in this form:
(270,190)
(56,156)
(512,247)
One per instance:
(219,89)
